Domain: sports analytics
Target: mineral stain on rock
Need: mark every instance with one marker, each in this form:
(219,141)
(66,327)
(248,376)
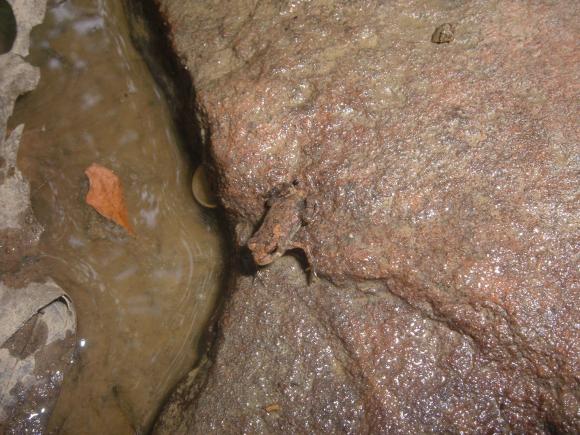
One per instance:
(29,338)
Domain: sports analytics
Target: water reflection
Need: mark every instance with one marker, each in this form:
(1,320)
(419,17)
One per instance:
(141,301)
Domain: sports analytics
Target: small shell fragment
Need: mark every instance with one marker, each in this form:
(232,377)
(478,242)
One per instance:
(202,191)
(443,34)
(273,407)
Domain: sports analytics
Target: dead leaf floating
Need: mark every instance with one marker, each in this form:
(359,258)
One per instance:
(106,195)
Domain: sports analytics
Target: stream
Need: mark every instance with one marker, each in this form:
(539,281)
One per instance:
(142,303)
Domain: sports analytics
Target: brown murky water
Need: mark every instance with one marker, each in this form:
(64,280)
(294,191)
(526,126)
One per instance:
(141,302)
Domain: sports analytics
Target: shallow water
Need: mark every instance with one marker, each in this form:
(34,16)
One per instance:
(142,303)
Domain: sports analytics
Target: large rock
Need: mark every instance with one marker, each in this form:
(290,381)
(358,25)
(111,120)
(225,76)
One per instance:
(37,318)
(432,191)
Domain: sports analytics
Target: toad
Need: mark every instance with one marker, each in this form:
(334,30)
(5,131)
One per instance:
(282,221)
(443,34)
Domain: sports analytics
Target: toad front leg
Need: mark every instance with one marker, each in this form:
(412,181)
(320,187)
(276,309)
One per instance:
(281,223)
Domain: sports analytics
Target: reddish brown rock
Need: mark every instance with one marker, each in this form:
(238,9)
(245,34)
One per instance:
(440,186)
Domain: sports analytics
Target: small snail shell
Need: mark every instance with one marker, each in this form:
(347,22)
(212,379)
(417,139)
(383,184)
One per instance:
(202,191)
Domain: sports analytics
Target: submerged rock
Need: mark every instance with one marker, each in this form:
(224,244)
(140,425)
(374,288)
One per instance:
(439,224)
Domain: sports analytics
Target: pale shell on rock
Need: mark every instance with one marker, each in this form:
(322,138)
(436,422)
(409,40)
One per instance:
(201,188)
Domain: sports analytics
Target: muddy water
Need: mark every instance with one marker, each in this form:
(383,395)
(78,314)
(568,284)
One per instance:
(141,302)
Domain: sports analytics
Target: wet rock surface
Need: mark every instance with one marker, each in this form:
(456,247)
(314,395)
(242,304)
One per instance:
(439,226)
(37,319)
(37,340)
(19,231)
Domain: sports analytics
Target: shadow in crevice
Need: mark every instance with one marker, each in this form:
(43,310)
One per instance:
(150,34)
(7,27)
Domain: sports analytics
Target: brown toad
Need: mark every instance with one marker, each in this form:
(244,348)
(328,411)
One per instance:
(282,221)
(443,34)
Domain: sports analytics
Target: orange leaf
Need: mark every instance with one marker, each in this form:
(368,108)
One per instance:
(106,195)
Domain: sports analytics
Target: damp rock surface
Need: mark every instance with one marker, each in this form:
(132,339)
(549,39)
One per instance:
(37,318)
(439,224)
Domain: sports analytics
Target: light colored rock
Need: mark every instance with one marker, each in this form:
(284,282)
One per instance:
(17,77)
(15,191)
(37,320)
(28,13)
(42,316)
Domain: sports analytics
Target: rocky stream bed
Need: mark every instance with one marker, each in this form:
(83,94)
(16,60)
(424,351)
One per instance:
(400,185)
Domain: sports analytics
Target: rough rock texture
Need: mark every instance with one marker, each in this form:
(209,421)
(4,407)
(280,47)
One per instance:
(19,231)
(438,207)
(37,319)
(37,339)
